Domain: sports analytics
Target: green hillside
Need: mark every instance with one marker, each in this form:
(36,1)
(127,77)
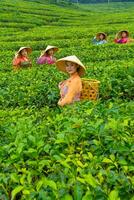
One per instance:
(82,151)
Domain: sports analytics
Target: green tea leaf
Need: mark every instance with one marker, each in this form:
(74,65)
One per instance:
(67,197)
(87,196)
(16,191)
(107,160)
(90,180)
(113,195)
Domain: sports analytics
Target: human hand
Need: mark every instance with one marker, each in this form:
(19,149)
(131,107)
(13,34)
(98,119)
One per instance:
(60,84)
(116,36)
(60,103)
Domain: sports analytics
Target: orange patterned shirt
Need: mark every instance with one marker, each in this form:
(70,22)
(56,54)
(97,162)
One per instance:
(70,90)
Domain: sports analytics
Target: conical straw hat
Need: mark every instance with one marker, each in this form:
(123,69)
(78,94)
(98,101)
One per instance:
(120,33)
(61,65)
(50,47)
(29,50)
(98,34)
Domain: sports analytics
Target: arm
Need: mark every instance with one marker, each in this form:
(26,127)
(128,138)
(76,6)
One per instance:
(105,41)
(19,62)
(16,61)
(61,84)
(41,60)
(73,89)
(94,40)
(116,38)
(54,59)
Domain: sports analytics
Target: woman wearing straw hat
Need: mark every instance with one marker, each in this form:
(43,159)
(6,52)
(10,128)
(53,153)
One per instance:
(47,56)
(100,38)
(70,89)
(21,59)
(122,37)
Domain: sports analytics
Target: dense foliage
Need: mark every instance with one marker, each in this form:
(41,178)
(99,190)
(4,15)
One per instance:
(82,151)
(100,1)
(87,1)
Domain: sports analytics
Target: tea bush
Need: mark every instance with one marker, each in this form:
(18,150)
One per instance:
(82,151)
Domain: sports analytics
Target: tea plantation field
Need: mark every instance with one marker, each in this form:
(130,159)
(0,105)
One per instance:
(82,151)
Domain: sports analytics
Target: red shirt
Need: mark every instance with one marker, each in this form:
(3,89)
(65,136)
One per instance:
(17,61)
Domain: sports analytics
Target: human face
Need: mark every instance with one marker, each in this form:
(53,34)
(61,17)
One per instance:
(51,52)
(101,37)
(71,67)
(124,34)
(24,52)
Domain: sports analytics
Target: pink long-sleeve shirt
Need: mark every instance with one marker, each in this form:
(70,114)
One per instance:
(46,60)
(122,40)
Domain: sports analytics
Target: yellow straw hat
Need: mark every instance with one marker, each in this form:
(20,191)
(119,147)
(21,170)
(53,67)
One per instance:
(120,33)
(48,48)
(61,64)
(28,49)
(98,34)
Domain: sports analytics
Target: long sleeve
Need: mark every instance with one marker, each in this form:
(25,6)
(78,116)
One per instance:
(117,40)
(104,41)
(74,89)
(121,41)
(94,40)
(16,61)
(97,42)
(42,60)
(20,60)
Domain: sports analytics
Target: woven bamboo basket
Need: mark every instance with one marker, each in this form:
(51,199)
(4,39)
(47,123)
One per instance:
(90,89)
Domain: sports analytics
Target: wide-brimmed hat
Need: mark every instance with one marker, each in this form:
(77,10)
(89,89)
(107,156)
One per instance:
(28,49)
(120,33)
(98,35)
(50,47)
(61,64)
